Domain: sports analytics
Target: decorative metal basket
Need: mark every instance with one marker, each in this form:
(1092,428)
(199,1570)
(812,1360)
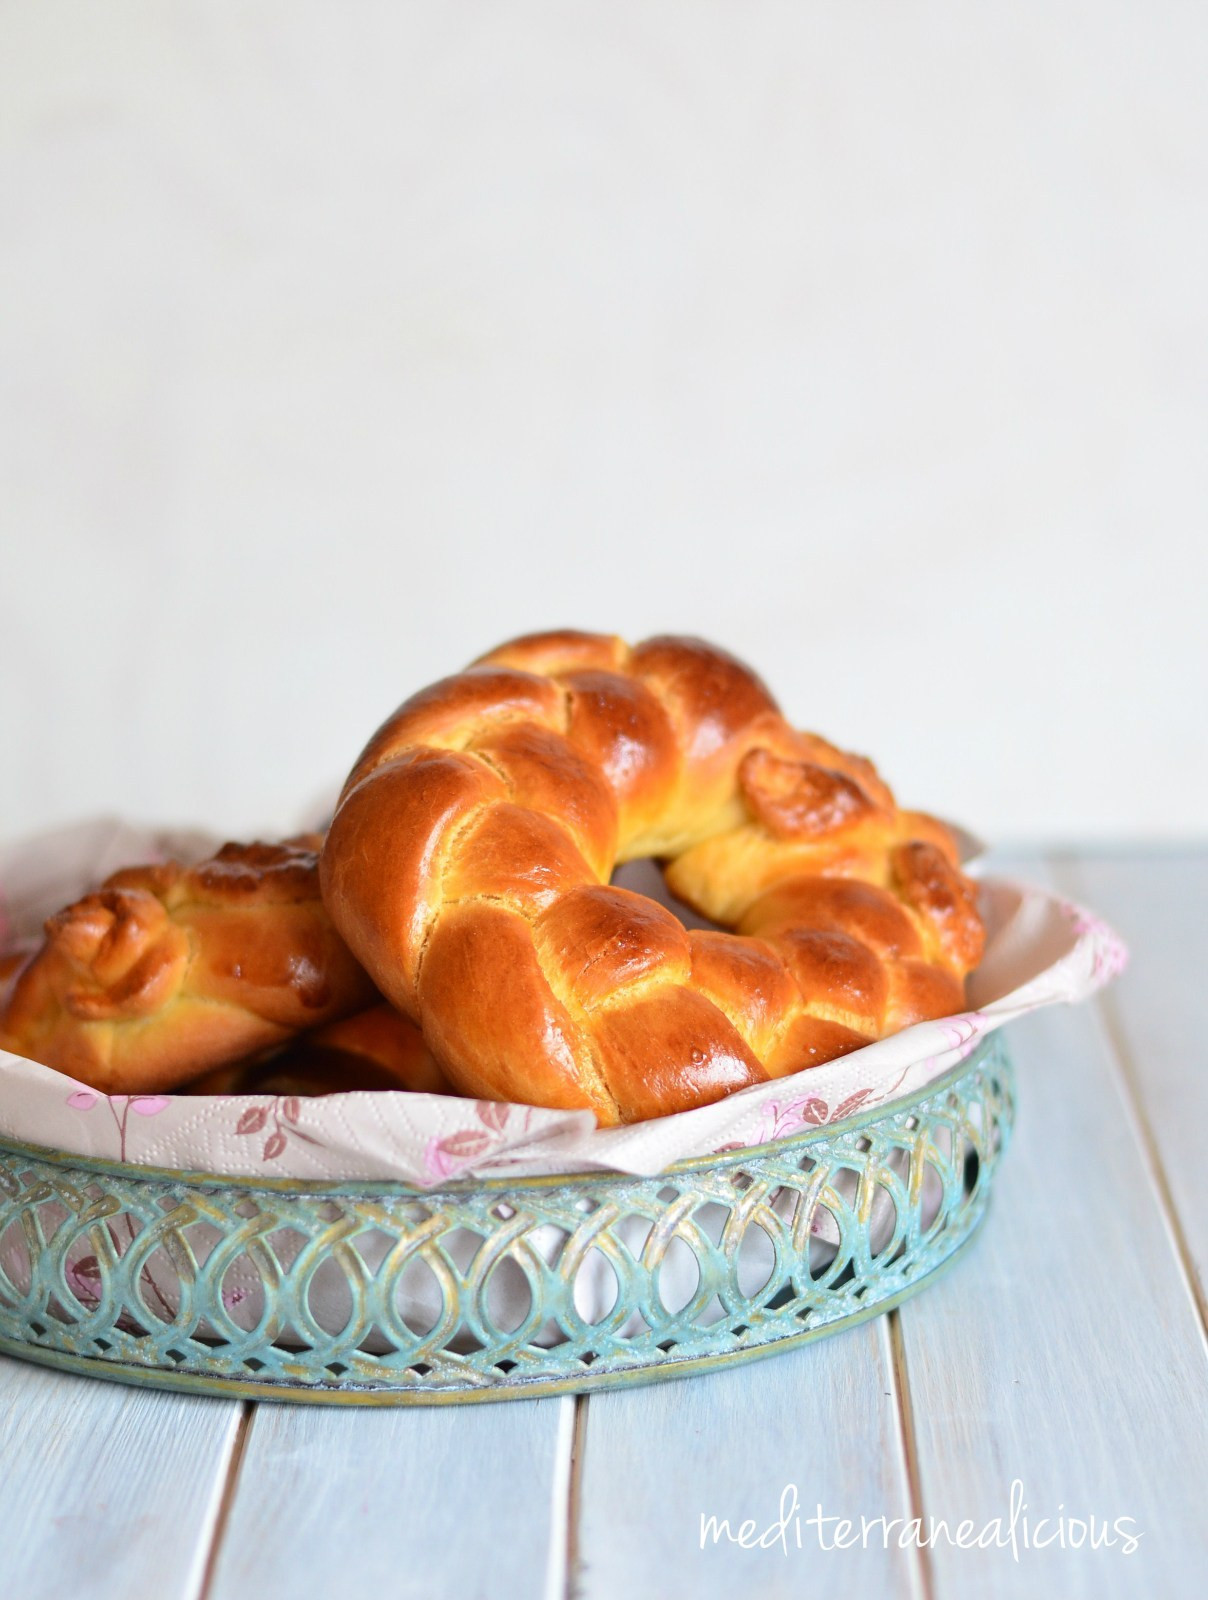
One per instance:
(382,1294)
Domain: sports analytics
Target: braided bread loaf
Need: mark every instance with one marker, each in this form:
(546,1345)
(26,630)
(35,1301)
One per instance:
(469,858)
(166,970)
(372,1049)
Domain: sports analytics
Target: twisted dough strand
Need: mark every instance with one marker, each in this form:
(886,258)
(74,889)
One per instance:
(468,862)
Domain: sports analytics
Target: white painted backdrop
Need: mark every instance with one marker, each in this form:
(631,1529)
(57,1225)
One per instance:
(338,342)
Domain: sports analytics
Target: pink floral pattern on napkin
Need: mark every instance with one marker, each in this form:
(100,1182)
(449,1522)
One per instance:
(119,1107)
(1109,953)
(813,1111)
(445,1155)
(284,1113)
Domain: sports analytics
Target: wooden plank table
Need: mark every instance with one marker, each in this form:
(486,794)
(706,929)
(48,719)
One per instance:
(1062,1365)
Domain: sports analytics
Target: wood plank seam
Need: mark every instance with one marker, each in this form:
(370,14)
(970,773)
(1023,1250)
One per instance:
(1132,1096)
(1131,1092)
(558,1560)
(570,1585)
(922,1578)
(230,1487)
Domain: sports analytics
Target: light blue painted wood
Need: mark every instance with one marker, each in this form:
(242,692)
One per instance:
(823,1419)
(452,1501)
(106,1493)
(1158,1011)
(1066,1352)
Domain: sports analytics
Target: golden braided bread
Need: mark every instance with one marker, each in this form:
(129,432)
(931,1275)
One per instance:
(469,858)
(166,970)
(372,1049)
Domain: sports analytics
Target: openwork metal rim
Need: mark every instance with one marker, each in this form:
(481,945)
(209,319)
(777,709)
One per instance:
(380,1293)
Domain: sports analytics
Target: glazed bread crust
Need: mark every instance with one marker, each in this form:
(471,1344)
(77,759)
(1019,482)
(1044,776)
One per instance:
(468,861)
(166,970)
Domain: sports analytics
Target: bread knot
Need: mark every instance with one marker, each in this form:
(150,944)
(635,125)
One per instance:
(800,799)
(121,954)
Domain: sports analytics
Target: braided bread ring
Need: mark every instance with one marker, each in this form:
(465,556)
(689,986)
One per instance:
(166,970)
(468,861)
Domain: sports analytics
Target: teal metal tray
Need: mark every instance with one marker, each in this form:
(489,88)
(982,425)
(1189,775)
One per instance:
(383,1294)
